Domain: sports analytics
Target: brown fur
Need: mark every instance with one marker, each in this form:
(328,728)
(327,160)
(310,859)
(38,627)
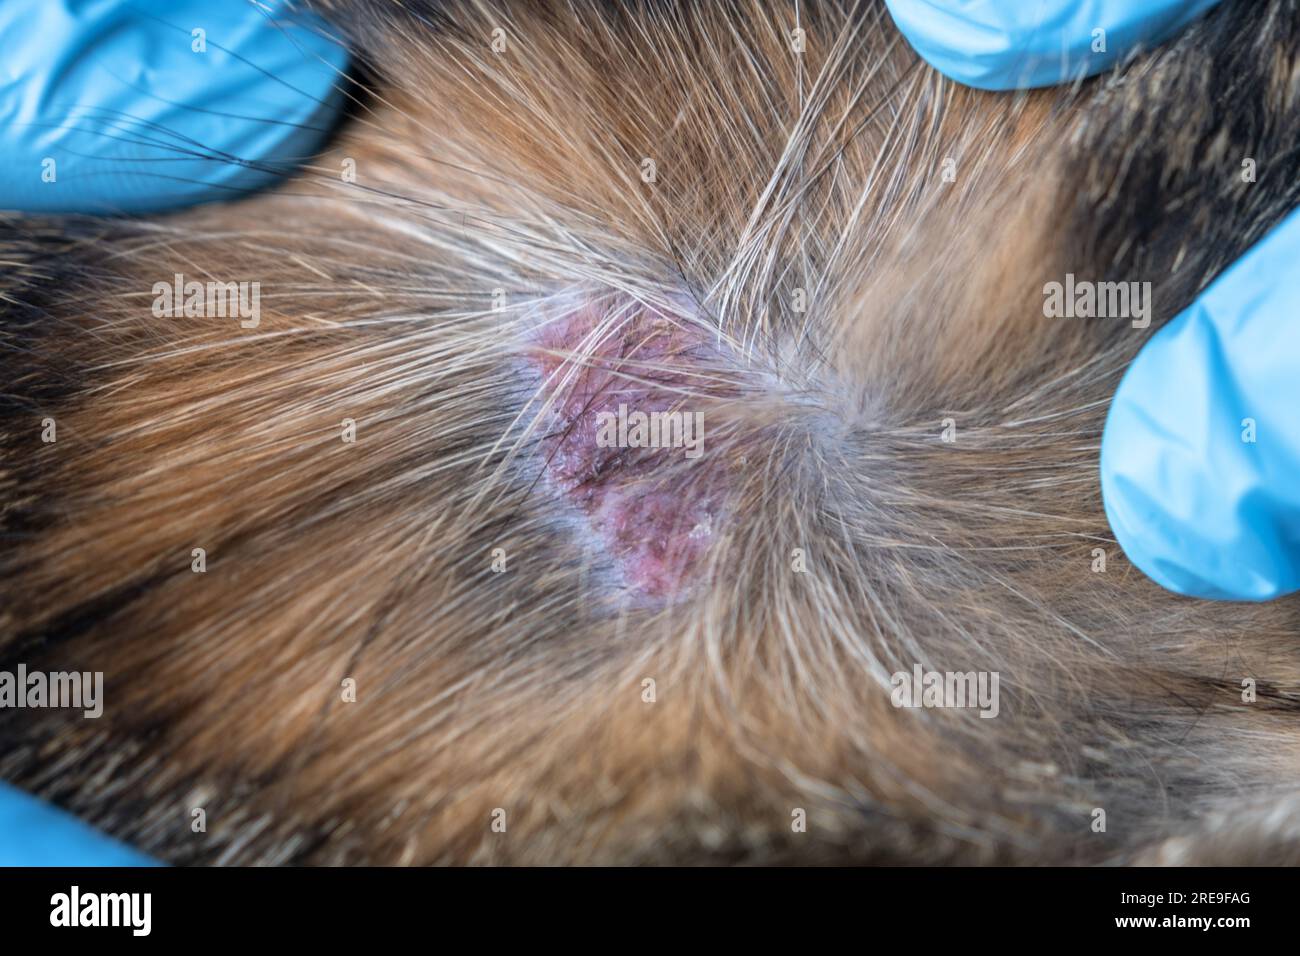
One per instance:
(523,691)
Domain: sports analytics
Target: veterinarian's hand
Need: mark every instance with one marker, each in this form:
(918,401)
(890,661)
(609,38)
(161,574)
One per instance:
(1200,460)
(126,106)
(1014,44)
(35,834)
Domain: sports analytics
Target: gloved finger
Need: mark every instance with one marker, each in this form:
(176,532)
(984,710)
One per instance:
(1200,459)
(1015,44)
(36,834)
(127,106)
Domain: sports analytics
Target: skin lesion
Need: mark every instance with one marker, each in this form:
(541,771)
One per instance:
(625,387)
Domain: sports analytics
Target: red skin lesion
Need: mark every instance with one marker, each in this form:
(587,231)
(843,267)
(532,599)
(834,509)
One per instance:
(653,510)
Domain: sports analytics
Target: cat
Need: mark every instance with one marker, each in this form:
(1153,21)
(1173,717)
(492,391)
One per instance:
(363,589)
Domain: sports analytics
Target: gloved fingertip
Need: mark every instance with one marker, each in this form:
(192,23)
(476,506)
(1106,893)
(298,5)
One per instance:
(37,834)
(111,107)
(1014,44)
(1200,457)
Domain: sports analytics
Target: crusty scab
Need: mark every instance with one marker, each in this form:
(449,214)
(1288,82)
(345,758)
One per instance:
(625,389)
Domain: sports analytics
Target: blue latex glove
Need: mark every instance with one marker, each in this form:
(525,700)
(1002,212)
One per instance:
(1014,44)
(1200,460)
(1194,502)
(133,119)
(33,833)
